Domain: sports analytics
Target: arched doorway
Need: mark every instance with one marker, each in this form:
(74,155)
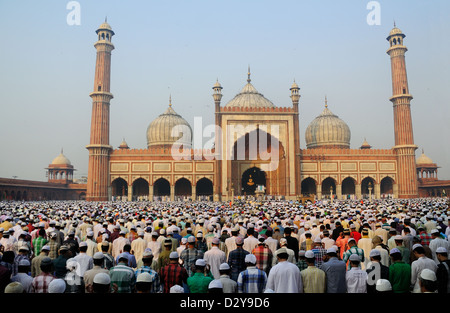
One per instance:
(328,188)
(183,188)
(260,149)
(251,179)
(367,188)
(119,189)
(140,189)
(387,188)
(309,187)
(161,188)
(204,189)
(348,188)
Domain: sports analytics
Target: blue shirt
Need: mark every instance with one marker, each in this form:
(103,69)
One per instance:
(335,271)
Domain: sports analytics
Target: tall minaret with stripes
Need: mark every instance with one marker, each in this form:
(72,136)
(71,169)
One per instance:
(403,129)
(99,148)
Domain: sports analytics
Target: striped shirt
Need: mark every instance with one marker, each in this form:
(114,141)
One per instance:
(252,280)
(172,274)
(123,276)
(236,261)
(156,285)
(319,253)
(349,252)
(263,258)
(189,256)
(40,283)
(38,243)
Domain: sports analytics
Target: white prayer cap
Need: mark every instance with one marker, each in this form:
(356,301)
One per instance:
(24,262)
(191,239)
(250,258)
(428,274)
(317,240)
(398,238)
(417,245)
(216,283)
(301,253)
(98,256)
(224,267)
(57,285)
(184,240)
(283,242)
(331,250)
(145,278)
(83,244)
(309,254)
(200,262)
(354,257)
(174,255)
(383,285)
(441,250)
(374,252)
(14,287)
(176,289)
(434,231)
(102,279)
(148,252)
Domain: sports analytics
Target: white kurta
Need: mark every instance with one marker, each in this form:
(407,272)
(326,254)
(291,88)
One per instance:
(285,277)
(214,257)
(356,280)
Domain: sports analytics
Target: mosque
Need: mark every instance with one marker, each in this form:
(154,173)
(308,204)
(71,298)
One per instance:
(256,150)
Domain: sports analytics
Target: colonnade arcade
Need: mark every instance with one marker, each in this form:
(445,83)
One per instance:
(349,188)
(162,189)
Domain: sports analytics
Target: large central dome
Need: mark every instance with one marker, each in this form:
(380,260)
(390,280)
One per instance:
(159,132)
(327,131)
(249,97)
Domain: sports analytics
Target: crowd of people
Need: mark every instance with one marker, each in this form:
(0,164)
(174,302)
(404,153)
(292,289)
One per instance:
(378,246)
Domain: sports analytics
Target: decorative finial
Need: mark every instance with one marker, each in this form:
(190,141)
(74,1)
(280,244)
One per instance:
(394,23)
(62,150)
(326,102)
(248,74)
(170,100)
(106,19)
(422,151)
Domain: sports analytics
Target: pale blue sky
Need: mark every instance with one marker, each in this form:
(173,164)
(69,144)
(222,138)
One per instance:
(180,47)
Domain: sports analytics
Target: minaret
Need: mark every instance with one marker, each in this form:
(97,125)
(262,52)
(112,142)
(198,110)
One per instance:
(295,97)
(401,98)
(99,148)
(217,96)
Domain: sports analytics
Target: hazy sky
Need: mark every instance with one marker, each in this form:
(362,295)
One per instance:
(180,47)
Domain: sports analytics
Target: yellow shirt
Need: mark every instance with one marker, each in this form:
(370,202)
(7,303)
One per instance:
(313,280)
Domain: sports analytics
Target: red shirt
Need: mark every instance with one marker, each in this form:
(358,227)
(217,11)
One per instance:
(355,235)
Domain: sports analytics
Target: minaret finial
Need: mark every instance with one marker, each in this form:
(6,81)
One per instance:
(248,74)
(326,102)
(62,150)
(106,19)
(394,23)
(170,100)
(422,151)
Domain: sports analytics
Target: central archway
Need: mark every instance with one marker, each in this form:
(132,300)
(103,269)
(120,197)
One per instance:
(251,179)
(258,148)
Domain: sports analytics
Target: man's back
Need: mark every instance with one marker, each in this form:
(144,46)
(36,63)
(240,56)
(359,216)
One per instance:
(252,280)
(313,279)
(123,276)
(285,277)
(335,272)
